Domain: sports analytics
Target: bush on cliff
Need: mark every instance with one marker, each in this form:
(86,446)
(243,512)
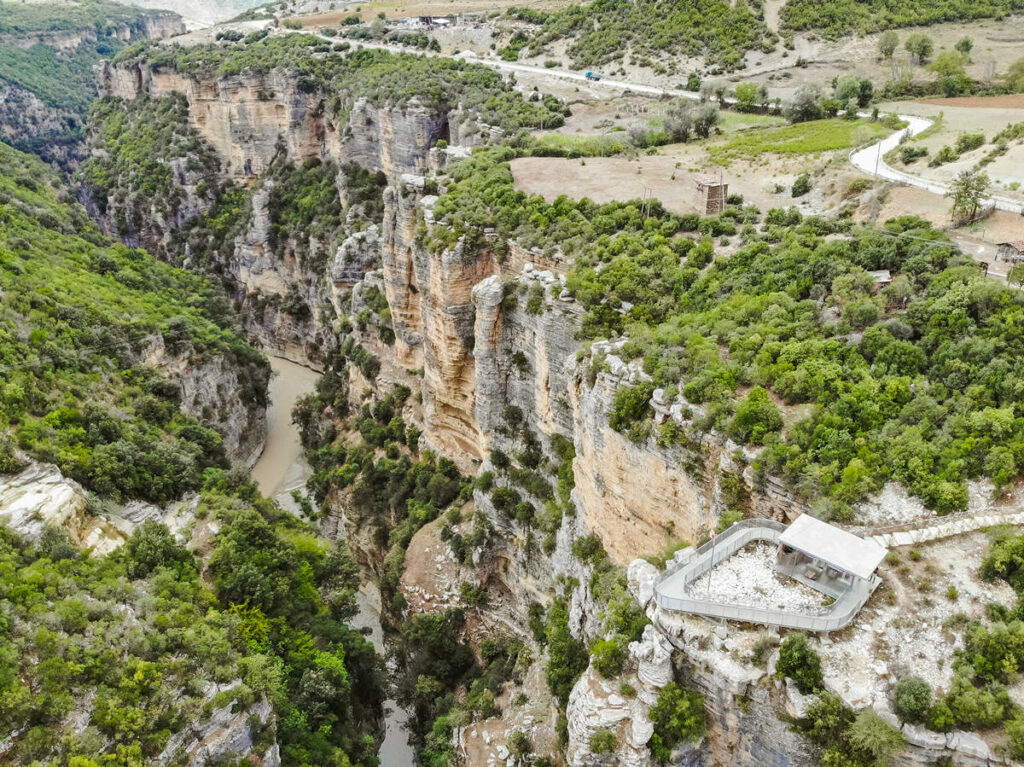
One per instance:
(799,662)
(912,697)
(678,717)
(756,417)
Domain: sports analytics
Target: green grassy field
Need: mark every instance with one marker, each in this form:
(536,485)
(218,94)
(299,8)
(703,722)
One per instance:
(802,138)
(732,122)
(586,146)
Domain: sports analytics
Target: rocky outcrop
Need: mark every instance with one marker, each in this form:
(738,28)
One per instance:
(525,359)
(40,496)
(227,735)
(250,118)
(147,25)
(210,392)
(596,704)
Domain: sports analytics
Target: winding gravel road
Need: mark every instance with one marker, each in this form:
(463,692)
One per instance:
(870,159)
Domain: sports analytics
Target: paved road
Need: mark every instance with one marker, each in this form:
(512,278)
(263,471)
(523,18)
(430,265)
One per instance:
(871,160)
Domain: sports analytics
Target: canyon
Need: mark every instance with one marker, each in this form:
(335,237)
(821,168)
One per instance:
(492,371)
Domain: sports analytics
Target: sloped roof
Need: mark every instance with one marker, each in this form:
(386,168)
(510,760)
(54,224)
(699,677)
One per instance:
(1017,245)
(707,179)
(838,548)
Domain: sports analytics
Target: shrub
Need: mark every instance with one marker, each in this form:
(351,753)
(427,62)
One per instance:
(678,717)
(802,185)
(567,656)
(912,697)
(965,142)
(603,741)
(1015,734)
(588,549)
(910,154)
(756,417)
(519,745)
(9,461)
(728,519)
(870,733)
(799,662)
(607,657)
(630,405)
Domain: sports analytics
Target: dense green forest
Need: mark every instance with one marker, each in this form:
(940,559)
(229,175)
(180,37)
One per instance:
(386,79)
(919,381)
(604,31)
(268,624)
(836,18)
(77,314)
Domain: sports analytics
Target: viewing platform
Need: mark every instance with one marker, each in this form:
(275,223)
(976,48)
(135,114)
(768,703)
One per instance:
(809,575)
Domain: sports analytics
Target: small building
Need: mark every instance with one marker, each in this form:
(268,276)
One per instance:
(808,553)
(826,557)
(712,193)
(1011,251)
(881,278)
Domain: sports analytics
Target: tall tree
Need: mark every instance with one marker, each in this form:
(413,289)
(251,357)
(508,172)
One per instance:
(887,43)
(967,191)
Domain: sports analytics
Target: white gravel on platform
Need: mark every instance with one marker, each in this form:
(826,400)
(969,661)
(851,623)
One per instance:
(749,578)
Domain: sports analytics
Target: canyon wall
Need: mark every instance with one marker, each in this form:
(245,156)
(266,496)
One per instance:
(33,123)
(495,371)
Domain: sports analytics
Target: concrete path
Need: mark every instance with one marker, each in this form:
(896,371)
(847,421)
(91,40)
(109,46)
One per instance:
(940,527)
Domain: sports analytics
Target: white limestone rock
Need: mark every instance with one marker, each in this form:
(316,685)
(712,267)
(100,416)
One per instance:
(641,577)
(653,655)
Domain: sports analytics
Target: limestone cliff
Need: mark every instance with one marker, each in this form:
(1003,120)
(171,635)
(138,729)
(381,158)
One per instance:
(486,335)
(227,397)
(249,118)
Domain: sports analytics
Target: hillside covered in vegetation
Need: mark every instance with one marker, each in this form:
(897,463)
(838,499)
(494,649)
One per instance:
(918,381)
(116,660)
(837,18)
(78,316)
(606,30)
(48,52)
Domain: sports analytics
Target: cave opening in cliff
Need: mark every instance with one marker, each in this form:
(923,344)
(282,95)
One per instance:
(444,132)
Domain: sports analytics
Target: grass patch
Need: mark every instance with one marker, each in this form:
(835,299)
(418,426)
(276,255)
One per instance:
(803,138)
(731,122)
(564,145)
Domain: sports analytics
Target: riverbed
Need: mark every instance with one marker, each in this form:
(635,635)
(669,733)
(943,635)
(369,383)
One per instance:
(282,469)
(281,466)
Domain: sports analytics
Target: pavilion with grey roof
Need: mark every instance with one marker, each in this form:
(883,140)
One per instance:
(824,557)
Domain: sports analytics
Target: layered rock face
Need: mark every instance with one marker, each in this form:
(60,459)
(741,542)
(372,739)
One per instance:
(151,25)
(250,118)
(40,496)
